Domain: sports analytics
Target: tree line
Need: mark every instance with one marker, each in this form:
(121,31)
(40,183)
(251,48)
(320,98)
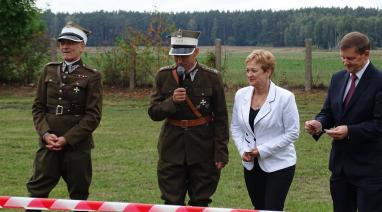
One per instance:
(256,27)
(26,32)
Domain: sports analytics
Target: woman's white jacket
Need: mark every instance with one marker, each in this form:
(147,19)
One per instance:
(276,128)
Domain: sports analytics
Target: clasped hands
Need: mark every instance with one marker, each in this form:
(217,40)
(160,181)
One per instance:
(53,142)
(250,156)
(314,127)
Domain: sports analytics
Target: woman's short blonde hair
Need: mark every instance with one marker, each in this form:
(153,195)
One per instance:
(263,57)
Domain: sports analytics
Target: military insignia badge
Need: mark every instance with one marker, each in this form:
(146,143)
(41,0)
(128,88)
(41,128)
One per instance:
(76,89)
(72,68)
(68,69)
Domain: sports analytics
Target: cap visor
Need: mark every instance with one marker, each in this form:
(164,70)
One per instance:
(68,37)
(181,51)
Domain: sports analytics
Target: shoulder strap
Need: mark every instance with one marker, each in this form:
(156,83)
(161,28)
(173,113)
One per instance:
(175,76)
(192,107)
(188,100)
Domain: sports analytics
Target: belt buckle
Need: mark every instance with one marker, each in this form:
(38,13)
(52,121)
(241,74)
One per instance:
(59,110)
(184,123)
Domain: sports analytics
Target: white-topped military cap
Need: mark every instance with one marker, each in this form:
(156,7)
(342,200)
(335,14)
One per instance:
(74,32)
(184,42)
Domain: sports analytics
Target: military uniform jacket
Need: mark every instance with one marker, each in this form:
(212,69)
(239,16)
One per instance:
(194,144)
(80,95)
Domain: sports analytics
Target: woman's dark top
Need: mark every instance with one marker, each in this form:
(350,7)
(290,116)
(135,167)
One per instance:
(252,115)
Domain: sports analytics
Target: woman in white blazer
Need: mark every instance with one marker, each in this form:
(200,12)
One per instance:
(264,126)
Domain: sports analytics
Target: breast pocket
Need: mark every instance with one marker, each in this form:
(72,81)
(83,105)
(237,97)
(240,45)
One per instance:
(52,86)
(77,90)
(202,99)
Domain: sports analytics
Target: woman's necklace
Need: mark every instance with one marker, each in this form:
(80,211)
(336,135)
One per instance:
(256,105)
(258,100)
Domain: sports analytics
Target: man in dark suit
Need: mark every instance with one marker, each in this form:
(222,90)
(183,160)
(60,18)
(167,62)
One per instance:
(352,116)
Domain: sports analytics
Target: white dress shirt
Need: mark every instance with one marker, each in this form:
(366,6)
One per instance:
(359,76)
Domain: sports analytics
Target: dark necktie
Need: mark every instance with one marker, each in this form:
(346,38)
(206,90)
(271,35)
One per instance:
(67,68)
(187,77)
(187,80)
(351,90)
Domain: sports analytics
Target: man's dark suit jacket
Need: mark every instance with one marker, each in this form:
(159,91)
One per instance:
(360,153)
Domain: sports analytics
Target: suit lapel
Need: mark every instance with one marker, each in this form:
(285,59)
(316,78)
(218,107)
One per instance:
(342,93)
(361,86)
(246,106)
(266,108)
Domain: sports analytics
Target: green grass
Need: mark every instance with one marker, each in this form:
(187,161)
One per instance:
(125,157)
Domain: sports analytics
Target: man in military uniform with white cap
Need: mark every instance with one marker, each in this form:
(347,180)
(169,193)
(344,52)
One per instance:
(66,110)
(193,141)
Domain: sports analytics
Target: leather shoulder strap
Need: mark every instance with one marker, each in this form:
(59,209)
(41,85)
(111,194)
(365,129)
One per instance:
(192,107)
(175,76)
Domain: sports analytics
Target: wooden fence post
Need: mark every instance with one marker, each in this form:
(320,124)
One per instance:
(133,68)
(308,64)
(218,54)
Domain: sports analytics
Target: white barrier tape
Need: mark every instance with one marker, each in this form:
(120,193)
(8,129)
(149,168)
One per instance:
(84,205)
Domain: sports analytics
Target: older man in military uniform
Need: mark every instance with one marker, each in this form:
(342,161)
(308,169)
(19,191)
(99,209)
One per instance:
(193,141)
(66,110)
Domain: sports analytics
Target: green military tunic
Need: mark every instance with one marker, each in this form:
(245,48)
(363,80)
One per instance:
(69,104)
(196,148)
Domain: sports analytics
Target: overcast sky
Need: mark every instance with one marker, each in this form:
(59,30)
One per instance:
(72,6)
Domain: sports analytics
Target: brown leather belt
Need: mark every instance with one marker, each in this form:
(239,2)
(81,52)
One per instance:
(64,110)
(190,123)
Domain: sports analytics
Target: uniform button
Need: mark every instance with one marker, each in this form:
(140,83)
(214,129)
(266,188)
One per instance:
(202,94)
(60,91)
(64,76)
(59,98)
(254,139)
(77,83)
(50,80)
(63,84)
